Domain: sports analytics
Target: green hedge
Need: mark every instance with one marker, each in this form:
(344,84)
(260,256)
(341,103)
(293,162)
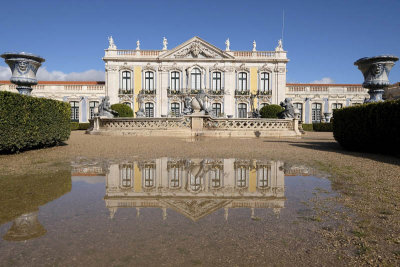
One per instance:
(270,111)
(79,126)
(371,127)
(307,127)
(123,110)
(29,122)
(322,127)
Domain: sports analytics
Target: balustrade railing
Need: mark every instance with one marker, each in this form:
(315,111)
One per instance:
(125,91)
(264,92)
(174,92)
(247,124)
(148,91)
(146,123)
(242,92)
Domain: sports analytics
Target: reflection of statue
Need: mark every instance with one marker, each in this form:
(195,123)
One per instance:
(137,45)
(165,42)
(228,44)
(187,107)
(289,109)
(254,46)
(104,109)
(111,44)
(25,227)
(140,113)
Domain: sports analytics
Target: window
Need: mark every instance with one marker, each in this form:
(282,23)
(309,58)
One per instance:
(149,110)
(262,177)
(216,108)
(148,173)
(126,80)
(264,81)
(74,111)
(215,177)
(175,85)
(242,110)
(196,79)
(241,175)
(242,81)
(175,174)
(337,106)
(175,109)
(149,80)
(126,175)
(92,106)
(299,106)
(216,79)
(316,112)
(195,182)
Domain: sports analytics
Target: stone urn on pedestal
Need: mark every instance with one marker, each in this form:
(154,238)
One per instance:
(24,67)
(376,74)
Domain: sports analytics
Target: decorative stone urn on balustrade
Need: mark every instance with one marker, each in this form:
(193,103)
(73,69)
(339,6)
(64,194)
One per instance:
(376,74)
(24,67)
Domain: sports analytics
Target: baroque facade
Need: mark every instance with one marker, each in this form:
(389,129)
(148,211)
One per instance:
(236,83)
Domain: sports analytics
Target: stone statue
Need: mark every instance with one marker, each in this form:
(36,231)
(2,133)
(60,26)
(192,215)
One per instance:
(228,44)
(165,42)
(280,46)
(289,112)
(140,113)
(137,45)
(187,106)
(111,44)
(255,113)
(254,46)
(200,98)
(104,109)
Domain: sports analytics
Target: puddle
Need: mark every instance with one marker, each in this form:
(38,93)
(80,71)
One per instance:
(168,211)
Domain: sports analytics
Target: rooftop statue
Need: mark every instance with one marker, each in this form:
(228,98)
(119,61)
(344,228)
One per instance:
(289,112)
(165,42)
(137,45)
(104,109)
(280,46)
(254,46)
(228,44)
(111,44)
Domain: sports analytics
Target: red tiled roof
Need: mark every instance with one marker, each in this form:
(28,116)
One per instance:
(65,82)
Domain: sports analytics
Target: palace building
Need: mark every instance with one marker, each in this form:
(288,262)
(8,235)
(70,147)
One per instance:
(236,82)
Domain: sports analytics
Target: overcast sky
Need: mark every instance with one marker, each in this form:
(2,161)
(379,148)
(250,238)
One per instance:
(323,38)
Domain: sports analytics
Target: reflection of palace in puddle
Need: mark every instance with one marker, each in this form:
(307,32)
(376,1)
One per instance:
(195,187)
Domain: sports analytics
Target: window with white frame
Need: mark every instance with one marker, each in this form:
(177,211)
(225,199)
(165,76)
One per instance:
(175,81)
(241,176)
(216,108)
(175,109)
(215,177)
(175,176)
(316,112)
(149,80)
(148,173)
(262,176)
(126,175)
(74,111)
(126,81)
(337,106)
(299,106)
(242,110)
(242,79)
(264,81)
(149,109)
(92,106)
(196,79)
(216,81)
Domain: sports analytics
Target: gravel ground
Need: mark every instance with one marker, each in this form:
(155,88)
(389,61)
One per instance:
(369,184)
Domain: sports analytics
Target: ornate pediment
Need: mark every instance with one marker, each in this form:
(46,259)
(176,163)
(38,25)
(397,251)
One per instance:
(196,48)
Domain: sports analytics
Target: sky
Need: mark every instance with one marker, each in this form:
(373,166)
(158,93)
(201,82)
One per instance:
(322,38)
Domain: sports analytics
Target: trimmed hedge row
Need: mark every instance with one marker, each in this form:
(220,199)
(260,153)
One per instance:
(79,126)
(28,122)
(123,110)
(371,127)
(322,127)
(270,111)
(308,127)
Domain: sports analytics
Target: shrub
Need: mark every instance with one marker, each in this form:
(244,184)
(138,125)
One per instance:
(322,127)
(307,127)
(270,111)
(369,127)
(28,122)
(84,126)
(123,110)
(74,126)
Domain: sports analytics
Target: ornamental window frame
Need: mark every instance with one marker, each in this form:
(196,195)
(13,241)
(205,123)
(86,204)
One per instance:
(216,80)
(297,105)
(215,107)
(126,80)
(316,112)
(149,109)
(175,109)
(196,73)
(92,106)
(242,114)
(74,110)
(149,77)
(175,80)
(265,81)
(243,81)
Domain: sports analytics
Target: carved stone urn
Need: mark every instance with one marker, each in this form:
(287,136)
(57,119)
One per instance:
(376,74)
(24,67)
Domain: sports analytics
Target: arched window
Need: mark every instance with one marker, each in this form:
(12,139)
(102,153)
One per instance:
(316,112)
(74,111)
(196,79)
(299,106)
(216,81)
(264,81)
(175,84)
(126,81)
(149,109)
(216,108)
(242,81)
(175,109)
(242,110)
(92,106)
(149,80)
